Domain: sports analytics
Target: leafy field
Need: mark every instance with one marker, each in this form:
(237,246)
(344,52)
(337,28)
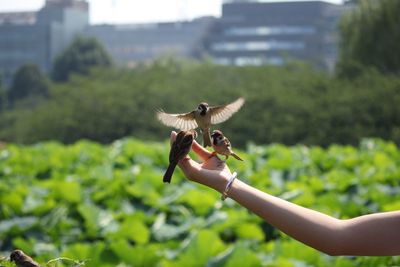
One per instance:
(107,205)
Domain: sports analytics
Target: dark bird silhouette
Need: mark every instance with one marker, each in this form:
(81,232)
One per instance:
(179,149)
(22,260)
(201,117)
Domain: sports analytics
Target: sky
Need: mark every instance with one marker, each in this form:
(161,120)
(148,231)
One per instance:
(135,11)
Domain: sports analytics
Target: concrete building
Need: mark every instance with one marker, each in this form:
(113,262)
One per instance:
(248,32)
(130,44)
(257,33)
(37,37)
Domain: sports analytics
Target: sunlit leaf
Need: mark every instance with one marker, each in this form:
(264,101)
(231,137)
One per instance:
(90,253)
(200,200)
(201,248)
(242,256)
(249,231)
(132,228)
(139,255)
(68,190)
(95,219)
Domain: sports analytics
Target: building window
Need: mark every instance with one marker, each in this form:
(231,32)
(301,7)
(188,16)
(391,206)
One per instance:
(257,46)
(222,61)
(249,61)
(265,30)
(275,61)
(245,61)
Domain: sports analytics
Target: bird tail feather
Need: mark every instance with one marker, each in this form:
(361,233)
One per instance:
(236,156)
(168,174)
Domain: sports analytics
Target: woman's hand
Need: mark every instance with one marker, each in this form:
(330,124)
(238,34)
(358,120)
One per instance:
(212,172)
(369,235)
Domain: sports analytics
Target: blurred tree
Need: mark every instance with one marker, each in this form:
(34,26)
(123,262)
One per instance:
(79,57)
(28,81)
(370,36)
(289,104)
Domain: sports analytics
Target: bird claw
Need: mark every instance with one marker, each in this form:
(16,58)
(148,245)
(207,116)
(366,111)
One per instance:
(213,154)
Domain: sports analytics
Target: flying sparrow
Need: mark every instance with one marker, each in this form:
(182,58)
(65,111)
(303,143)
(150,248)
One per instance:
(201,117)
(222,145)
(179,149)
(22,260)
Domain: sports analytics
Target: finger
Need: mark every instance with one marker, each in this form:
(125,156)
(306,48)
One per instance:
(172,137)
(203,153)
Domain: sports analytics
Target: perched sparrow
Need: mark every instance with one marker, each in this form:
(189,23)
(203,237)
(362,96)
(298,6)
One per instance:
(222,145)
(179,149)
(22,260)
(202,117)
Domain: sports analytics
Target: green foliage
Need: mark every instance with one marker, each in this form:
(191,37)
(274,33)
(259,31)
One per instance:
(91,205)
(201,247)
(289,105)
(29,82)
(83,54)
(370,35)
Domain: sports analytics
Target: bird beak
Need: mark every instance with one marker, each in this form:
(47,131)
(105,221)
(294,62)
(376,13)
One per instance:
(194,134)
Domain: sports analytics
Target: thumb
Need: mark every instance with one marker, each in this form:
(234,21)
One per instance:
(172,137)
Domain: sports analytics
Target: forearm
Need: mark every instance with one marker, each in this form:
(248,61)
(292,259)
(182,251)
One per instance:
(374,234)
(313,228)
(369,235)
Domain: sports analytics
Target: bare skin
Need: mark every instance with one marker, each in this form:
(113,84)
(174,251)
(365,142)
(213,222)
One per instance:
(375,234)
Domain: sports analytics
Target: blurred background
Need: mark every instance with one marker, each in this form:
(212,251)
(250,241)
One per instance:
(312,72)
(80,146)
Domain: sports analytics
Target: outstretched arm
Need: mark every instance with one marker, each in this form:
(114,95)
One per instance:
(375,234)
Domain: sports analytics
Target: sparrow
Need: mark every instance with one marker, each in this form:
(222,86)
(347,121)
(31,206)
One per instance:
(179,149)
(22,260)
(201,117)
(222,145)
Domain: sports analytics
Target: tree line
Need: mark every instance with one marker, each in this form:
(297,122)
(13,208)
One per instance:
(290,104)
(88,97)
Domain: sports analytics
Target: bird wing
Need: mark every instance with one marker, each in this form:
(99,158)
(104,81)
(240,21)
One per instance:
(223,112)
(227,143)
(181,146)
(183,121)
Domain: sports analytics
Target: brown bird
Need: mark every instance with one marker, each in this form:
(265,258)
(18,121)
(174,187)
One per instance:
(179,149)
(22,260)
(201,117)
(222,145)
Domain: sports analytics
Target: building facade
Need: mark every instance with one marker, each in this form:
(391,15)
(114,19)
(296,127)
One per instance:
(130,44)
(38,37)
(248,33)
(257,33)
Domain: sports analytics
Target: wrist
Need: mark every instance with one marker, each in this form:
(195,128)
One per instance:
(217,183)
(228,186)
